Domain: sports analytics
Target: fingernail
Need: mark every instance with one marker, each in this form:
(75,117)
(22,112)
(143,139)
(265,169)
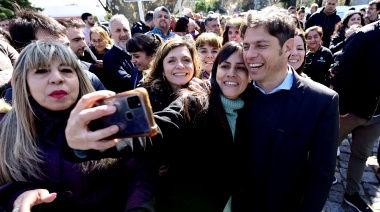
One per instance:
(114,129)
(112,109)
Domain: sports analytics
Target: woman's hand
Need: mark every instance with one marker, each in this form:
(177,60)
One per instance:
(78,135)
(197,84)
(99,63)
(30,198)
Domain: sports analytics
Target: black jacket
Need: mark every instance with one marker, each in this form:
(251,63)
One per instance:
(139,27)
(117,67)
(357,75)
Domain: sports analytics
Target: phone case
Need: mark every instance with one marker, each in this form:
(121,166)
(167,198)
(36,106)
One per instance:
(134,115)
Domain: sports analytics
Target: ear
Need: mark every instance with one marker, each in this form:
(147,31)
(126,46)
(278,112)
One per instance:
(288,46)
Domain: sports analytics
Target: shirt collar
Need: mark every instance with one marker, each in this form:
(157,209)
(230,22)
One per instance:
(119,47)
(285,85)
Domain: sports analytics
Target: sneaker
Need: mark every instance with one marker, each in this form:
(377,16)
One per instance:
(357,202)
(335,180)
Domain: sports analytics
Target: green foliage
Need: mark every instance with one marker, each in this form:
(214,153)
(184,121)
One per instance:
(7,9)
(213,5)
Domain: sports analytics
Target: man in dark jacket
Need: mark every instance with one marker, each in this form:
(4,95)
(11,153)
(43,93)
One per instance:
(357,80)
(117,61)
(143,26)
(289,124)
(327,19)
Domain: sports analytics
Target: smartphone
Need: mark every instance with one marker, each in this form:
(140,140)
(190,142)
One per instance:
(134,115)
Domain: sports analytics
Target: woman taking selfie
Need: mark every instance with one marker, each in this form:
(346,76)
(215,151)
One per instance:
(47,83)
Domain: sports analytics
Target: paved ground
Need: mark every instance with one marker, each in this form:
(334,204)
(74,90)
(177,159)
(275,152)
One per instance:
(370,190)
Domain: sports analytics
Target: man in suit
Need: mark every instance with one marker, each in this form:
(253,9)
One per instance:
(287,134)
(117,61)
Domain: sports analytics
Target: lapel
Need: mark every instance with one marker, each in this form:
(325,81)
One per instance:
(292,107)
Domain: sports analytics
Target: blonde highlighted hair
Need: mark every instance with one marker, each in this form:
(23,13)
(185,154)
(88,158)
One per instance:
(103,34)
(19,151)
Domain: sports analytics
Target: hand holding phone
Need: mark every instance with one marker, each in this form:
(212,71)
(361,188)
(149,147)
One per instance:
(133,115)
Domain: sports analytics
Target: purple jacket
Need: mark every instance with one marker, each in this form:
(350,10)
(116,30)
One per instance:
(125,186)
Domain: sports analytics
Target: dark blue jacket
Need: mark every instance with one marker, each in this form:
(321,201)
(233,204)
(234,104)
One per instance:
(299,167)
(117,67)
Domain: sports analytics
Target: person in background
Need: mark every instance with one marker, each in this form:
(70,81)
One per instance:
(8,57)
(363,11)
(187,13)
(4,24)
(338,38)
(357,80)
(181,26)
(74,32)
(318,57)
(298,54)
(373,11)
(173,21)
(100,43)
(5,36)
(212,24)
(161,19)
(301,15)
(327,18)
(292,10)
(193,29)
(198,183)
(117,62)
(223,21)
(34,176)
(313,9)
(200,22)
(208,45)
(143,49)
(232,32)
(143,26)
(296,21)
(289,124)
(88,19)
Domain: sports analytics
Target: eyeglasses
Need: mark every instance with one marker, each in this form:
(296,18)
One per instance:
(97,41)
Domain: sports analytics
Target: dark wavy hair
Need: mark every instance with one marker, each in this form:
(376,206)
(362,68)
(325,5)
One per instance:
(144,43)
(342,25)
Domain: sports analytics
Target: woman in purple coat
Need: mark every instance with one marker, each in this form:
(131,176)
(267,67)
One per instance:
(47,83)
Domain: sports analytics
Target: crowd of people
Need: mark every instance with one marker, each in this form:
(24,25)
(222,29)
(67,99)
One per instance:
(237,100)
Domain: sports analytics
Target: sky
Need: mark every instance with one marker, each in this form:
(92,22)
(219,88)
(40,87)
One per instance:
(44,3)
(56,9)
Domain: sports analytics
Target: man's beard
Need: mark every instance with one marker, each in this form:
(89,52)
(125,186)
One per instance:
(163,25)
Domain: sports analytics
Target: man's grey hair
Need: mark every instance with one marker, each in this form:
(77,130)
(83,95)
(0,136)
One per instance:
(118,17)
(211,17)
(161,8)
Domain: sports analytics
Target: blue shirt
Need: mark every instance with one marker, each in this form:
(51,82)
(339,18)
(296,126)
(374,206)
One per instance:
(285,85)
(163,36)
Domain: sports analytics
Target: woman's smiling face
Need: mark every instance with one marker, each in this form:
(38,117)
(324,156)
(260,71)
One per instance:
(178,67)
